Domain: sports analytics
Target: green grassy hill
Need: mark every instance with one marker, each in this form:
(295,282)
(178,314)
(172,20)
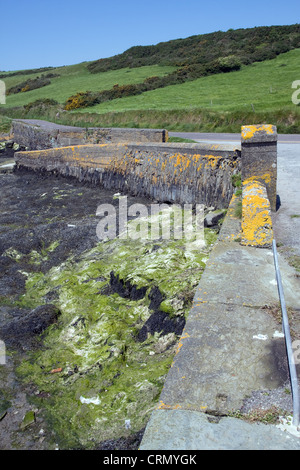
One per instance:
(74,78)
(184,84)
(265,85)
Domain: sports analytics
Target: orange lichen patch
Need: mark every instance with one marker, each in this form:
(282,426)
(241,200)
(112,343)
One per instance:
(211,161)
(256,215)
(265,177)
(249,131)
(181,161)
(163,406)
(180,344)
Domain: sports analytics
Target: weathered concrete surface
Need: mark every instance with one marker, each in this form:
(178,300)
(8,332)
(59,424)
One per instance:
(192,430)
(180,173)
(37,134)
(230,349)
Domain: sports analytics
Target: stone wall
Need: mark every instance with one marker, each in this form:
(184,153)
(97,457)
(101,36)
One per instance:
(40,135)
(181,173)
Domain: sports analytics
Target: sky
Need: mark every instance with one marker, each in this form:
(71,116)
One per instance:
(64,32)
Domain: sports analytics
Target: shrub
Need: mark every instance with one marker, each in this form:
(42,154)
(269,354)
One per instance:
(80,100)
(28,85)
(41,103)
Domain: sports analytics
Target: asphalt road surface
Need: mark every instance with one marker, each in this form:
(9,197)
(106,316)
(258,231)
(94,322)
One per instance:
(226,138)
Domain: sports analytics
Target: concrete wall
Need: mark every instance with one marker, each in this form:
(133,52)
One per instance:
(182,173)
(40,135)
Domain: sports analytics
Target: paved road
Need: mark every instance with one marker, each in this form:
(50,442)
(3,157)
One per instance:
(286,220)
(212,137)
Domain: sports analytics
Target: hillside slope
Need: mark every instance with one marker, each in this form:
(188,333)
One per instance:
(260,86)
(246,45)
(179,84)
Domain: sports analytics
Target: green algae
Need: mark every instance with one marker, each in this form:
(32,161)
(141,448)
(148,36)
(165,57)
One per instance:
(34,257)
(96,375)
(28,419)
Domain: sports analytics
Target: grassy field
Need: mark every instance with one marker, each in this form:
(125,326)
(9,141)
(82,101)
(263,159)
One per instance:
(261,86)
(76,78)
(261,92)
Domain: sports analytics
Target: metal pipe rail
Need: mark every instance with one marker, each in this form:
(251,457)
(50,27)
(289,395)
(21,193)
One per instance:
(288,342)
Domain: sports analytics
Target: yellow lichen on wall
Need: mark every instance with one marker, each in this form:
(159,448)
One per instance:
(256,215)
(211,161)
(181,161)
(163,406)
(266,177)
(249,131)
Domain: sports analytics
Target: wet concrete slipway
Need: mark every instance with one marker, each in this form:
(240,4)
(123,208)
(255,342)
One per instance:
(214,389)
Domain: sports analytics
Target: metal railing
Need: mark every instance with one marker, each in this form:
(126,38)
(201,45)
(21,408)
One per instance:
(288,342)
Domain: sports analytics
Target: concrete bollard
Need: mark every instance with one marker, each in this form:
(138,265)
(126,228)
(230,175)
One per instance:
(259,157)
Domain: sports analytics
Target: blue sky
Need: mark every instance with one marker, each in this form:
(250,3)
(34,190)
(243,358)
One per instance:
(64,32)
